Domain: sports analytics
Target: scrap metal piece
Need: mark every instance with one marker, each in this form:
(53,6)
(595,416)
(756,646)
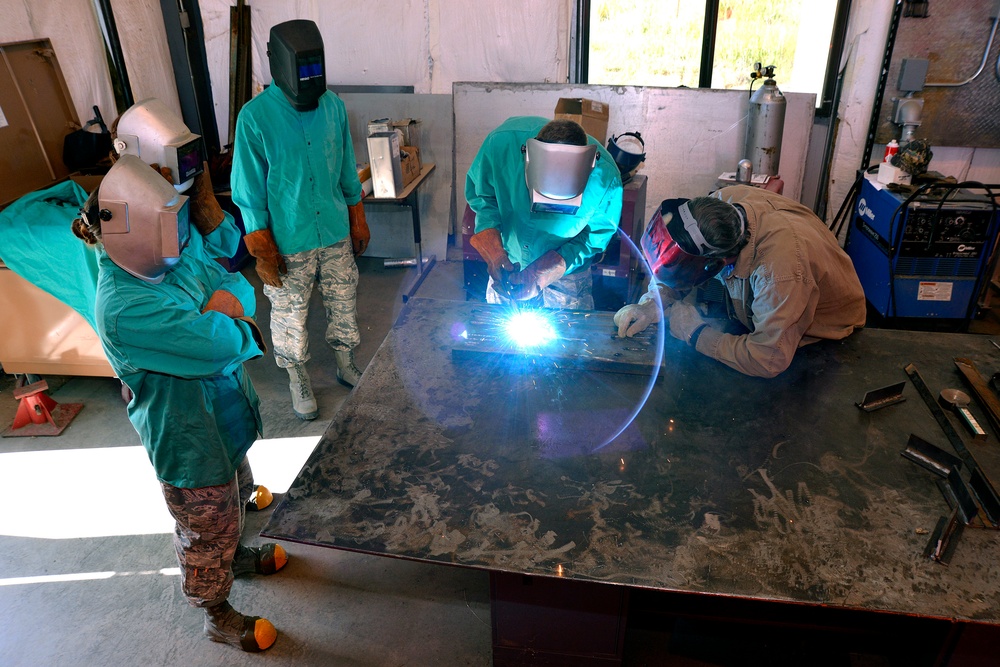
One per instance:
(986,495)
(957,498)
(882,398)
(940,417)
(931,457)
(987,399)
(941,547)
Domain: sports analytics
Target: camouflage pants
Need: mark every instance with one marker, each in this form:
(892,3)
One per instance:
(572,292)
(334,269)
(209,521)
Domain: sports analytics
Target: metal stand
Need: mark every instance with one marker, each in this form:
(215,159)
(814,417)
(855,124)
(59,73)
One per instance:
(38,413)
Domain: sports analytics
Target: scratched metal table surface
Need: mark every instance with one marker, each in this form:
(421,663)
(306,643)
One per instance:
(724,484)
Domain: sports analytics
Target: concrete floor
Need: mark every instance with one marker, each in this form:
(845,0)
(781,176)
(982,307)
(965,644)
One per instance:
(88,575)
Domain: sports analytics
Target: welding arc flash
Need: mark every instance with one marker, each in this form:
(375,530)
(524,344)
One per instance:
(529,329)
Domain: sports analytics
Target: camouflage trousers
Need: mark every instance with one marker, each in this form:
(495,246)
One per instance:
(209,521)
(333,267)
(571,292)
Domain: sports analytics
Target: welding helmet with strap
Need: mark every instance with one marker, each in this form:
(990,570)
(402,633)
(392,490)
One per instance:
(295,55)
(152,131)
(679,256)
(144,221)
(557,174)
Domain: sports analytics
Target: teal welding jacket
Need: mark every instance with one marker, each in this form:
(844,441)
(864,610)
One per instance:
(294,172)
(193,405)
(496,190)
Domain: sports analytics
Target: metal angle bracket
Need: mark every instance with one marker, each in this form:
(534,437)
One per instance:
(882,398)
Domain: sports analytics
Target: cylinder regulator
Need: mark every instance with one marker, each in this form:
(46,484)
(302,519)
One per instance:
(765,123)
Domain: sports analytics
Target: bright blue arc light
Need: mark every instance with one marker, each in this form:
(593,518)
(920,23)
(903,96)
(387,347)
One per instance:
(529,329)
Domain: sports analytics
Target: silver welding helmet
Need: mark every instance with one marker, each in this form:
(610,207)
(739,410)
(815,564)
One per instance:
(557,174)
(295,55)
(144,221)
(151,130)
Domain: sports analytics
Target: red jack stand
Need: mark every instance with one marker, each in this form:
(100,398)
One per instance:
(38,414)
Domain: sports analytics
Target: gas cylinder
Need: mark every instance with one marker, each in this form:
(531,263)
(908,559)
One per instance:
(765,124)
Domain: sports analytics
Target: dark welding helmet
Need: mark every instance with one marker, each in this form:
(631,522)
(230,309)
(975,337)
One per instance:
(557,174)
(628,150)
(295,55)
(152,131)
(144,221)
(679,261)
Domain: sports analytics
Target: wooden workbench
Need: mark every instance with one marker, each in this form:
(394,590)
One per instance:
(776,490)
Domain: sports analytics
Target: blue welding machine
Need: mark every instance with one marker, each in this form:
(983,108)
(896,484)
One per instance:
(922,256)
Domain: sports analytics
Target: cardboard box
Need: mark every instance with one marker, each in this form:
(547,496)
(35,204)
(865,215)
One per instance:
(385,159)
(410,127)
(365,176)
(591,114)
(890,174)
(410,163)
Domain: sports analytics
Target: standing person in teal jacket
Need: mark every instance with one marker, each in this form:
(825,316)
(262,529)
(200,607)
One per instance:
(296,182)
(176,328)
(547,199)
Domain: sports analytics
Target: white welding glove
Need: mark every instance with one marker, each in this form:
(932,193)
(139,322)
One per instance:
(634,318)
(685,320)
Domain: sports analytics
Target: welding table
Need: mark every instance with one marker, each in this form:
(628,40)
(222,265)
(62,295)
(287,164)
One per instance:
(765,492)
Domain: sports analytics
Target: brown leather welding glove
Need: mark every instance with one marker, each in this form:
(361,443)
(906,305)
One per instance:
(490,246)
(360,235)
(538,275)
(206,214)
(224,302)
(270,263)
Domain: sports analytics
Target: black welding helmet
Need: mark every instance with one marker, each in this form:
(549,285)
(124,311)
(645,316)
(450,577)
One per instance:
(295,55)
(678,255)
(628,151)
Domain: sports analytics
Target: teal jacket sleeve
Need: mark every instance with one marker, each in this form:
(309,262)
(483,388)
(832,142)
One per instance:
(603,206)
(224,240)
(480,192)
(350,186)
(249,176)
(176,339)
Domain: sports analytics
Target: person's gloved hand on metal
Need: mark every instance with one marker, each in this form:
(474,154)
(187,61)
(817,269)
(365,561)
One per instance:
(360,234)
(685,322)
(529,283)
(270,264)
(489,245)
(636,317)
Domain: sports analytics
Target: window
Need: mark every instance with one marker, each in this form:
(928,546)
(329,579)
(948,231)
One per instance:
(714,44)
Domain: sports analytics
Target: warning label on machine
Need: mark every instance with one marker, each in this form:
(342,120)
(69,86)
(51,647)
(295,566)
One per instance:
(934,291)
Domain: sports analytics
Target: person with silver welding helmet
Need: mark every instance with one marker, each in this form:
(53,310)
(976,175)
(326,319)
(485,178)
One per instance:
(153,132)
(296,183)
(176,328)
(788,282)
(547,199)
